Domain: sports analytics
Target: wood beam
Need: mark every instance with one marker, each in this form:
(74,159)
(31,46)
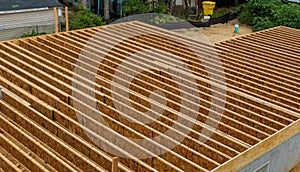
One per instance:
(55,20)
(67,18)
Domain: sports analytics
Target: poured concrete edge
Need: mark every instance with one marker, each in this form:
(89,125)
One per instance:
(283,158)
(247,157)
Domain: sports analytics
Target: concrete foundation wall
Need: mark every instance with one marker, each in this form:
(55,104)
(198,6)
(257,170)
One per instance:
(281,159)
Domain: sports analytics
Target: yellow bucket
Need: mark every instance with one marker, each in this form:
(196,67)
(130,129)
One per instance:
(208,7)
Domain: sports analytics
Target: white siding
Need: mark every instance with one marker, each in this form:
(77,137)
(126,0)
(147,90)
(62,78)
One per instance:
(12,26)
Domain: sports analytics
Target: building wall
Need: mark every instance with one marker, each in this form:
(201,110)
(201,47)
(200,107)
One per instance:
(13,25)
(281,159)
(192,2)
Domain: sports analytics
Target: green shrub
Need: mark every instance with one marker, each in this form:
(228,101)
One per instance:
(263,14)
(288,15)
(32,33)
(84,19)
(262,23)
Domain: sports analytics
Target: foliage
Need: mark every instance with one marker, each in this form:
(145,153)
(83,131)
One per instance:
(247,16)
(135,7)
(288,15)
(131,7)
(262,23)
(160,7)
(264,14)
(32,33)
(226,3)
(218,12)
(165,19)
(84,19)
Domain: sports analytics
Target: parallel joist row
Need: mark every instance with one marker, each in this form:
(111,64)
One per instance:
(275,64)
(56,146)
(31,78)
(232,68)
(65,99)
(69,137)
(40,71)
(256,82)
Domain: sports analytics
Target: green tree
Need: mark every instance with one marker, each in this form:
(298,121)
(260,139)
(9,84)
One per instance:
(135,7)
(131,7)
(84,19)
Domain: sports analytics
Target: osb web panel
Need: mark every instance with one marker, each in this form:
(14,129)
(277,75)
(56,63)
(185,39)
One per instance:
(40,130)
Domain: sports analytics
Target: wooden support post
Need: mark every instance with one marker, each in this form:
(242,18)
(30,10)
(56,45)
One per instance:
(55,20)
(67,18)
(115,162)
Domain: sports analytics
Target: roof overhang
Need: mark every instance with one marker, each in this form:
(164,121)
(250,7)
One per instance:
(24,10)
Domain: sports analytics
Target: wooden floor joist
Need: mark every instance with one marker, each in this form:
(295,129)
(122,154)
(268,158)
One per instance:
(40,129)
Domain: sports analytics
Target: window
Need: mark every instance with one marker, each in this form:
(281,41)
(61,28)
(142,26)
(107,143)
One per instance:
(264,168)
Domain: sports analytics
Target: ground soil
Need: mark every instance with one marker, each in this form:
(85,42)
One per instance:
(217,33)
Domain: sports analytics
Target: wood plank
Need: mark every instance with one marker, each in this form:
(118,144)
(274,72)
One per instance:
(9,144)
(7,164)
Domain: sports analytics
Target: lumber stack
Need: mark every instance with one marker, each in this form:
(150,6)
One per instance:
(40,130)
